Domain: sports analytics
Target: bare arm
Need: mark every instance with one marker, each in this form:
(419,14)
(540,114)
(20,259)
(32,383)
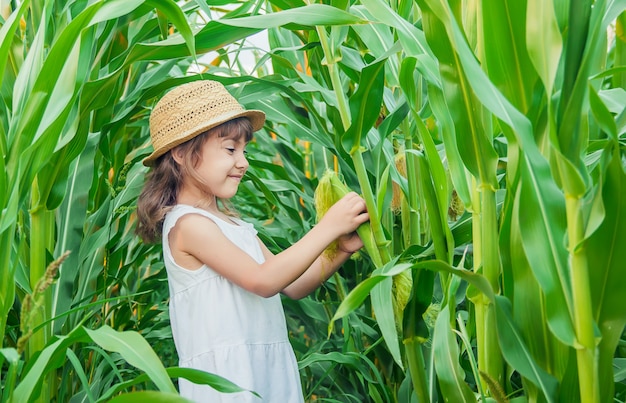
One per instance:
(200,240)
(322,268)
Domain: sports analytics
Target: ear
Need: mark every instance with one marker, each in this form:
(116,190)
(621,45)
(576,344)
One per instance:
(177,154)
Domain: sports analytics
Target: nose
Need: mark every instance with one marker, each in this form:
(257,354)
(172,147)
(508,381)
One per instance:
(242,161)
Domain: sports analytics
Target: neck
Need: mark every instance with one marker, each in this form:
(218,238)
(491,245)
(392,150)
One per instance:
(194,197)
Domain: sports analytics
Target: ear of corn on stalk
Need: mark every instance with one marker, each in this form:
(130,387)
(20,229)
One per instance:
(401,292)
(329,190)
(397,196)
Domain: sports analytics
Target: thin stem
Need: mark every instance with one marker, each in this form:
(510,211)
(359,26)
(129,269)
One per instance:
(491,270)
(7,277)
(41,240)
(413,341)
(415,358)
(377,229)
(430,198)
(583,314)
(342,102)
(412,180)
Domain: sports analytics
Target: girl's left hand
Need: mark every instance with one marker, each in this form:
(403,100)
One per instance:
(350,243)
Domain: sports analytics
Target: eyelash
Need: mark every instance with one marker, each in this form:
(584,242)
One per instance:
(232,150)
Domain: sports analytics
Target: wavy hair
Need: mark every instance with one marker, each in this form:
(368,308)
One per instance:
(164,181)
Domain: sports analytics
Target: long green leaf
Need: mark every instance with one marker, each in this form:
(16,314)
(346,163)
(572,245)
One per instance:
(312,15)
(412,39)
(607,254)
(544,43)
(73,213)
(136,351)
(382,304)
(363,104)
(514,350)
(446,354)
(149,396)
(7,35)
(52,356)
(172,10)
(356,297)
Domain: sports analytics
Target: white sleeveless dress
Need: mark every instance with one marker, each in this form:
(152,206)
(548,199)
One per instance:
(223,329)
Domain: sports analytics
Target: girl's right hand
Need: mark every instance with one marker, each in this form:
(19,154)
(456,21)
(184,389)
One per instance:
(346,215)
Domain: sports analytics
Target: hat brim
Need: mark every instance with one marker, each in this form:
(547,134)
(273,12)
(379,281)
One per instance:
(257,119)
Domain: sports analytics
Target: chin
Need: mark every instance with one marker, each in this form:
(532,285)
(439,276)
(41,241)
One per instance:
(227,195)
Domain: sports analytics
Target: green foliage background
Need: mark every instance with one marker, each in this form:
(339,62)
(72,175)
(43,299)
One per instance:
(487,137)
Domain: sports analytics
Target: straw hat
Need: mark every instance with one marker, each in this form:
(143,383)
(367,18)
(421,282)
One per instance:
(191,109)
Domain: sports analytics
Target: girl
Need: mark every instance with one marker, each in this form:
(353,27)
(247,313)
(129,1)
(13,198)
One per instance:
(225,308)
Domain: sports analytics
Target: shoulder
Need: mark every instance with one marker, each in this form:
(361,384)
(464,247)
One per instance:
(189,237)
(193,226)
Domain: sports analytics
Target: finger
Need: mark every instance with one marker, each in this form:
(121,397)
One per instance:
(363,217)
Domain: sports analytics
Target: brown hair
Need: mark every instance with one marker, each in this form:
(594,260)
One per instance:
(164,181)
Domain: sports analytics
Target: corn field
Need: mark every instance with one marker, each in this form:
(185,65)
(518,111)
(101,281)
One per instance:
(488,139)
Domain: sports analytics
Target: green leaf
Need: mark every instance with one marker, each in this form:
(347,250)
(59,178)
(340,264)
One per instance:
(602,114)
(212,36)
(529,304)
(172,10)
(543,41)
(310,15)
(414,326)
(543,230)
(412,39)
(458,173)
(7,32)
(149,396)
(377,38)
(356,297)
(365,105)
(80,373)
(349,359)
(383,309)
(606,254)
(277,111)
(136,351)
(446,352)
(516,353)
(51,357)
(217,382)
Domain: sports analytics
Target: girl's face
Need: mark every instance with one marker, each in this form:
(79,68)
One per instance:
(222,165)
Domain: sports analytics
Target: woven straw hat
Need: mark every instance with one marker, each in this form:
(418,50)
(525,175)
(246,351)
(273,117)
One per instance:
(191,109)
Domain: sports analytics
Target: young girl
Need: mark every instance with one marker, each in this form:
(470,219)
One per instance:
(225,308)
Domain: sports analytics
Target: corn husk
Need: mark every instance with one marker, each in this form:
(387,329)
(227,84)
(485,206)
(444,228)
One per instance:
(397,194)
(457,208)
(401,292)
(329,190)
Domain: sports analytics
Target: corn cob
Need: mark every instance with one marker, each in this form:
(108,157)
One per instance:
(329,190)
